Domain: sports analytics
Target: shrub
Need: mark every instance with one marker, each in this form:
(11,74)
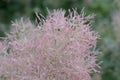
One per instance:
(61,48)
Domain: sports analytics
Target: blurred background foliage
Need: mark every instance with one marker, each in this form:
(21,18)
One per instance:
(106,22)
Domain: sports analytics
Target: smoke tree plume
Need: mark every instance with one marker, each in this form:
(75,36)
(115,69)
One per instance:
(61,48)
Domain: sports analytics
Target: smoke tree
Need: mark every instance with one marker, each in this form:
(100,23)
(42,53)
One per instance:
(60,48)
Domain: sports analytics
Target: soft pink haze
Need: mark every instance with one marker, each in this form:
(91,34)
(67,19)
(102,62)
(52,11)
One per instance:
(62,48)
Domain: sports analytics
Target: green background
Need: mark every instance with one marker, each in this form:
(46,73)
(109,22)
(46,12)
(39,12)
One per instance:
(106,22)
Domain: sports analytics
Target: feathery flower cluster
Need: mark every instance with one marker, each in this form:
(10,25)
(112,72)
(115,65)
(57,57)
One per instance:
(62,48)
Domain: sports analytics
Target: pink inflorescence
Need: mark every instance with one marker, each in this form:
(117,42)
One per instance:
(62,48)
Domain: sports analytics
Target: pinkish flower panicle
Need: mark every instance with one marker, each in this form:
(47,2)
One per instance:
(58,49)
